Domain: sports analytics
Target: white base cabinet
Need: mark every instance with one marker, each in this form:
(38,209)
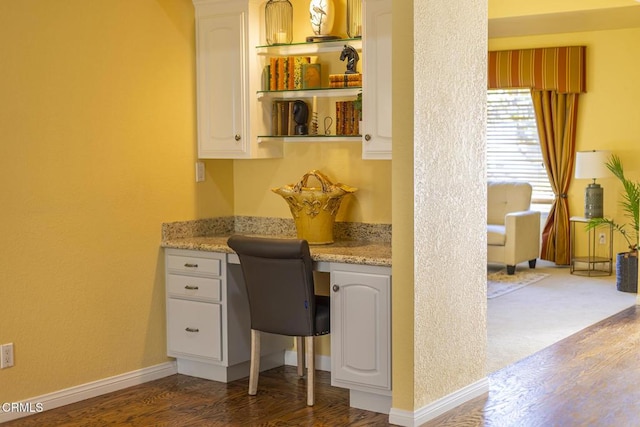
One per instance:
(361,334)
(208,323)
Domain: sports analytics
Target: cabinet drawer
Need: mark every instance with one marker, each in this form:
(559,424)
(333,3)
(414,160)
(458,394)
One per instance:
(193,287)
(194,264)
(194,328)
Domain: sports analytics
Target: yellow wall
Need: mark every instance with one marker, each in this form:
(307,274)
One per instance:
(607,116)
(98,147)
(510,8)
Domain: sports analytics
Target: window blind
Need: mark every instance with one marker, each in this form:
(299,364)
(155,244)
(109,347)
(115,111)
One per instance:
(513,147)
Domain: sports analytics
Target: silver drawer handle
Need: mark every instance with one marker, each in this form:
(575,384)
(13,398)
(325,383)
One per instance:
(189,265)
(191,288)
(336,288)
(192,330)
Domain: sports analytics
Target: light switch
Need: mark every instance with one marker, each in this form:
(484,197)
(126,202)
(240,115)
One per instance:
(200,171)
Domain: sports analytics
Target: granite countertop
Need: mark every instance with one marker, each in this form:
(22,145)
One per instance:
(350,251)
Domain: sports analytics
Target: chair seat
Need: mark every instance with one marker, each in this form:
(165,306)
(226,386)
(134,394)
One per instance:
(496,235)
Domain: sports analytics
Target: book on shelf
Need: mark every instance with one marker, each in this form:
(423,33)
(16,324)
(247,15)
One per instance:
(285,72)
(311,76)
(345,80)
(347,119)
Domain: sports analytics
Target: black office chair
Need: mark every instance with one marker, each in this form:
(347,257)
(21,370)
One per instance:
(279,278)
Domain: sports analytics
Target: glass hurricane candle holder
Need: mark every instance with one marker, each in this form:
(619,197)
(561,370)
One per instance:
(354,18)
(278,16)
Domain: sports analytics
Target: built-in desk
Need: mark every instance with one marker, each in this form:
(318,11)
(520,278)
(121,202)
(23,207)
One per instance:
(208,326)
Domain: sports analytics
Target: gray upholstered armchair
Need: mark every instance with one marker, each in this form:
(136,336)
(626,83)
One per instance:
(513,229)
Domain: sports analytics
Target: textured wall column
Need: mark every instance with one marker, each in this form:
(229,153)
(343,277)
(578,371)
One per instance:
(450,42)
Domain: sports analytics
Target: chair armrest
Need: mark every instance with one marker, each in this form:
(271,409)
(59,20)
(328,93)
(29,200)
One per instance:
(522,231)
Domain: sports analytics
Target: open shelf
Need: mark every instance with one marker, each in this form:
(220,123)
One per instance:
(308,93)
(309,138)
(308,48)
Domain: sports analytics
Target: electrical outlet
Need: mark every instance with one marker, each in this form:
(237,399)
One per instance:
(602,238)
(6,355)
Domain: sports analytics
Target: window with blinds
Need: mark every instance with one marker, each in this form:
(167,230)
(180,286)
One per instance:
(513,148)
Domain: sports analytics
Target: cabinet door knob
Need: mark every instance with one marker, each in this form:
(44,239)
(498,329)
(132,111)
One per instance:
(192,329)
(190,265)
(336,288)
(367,137)
(237,137)
(191,287)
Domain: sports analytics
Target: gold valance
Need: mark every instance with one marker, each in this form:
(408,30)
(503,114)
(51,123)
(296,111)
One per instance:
(554,68)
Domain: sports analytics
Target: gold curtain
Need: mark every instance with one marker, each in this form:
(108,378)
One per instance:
(556,77)
(556,116)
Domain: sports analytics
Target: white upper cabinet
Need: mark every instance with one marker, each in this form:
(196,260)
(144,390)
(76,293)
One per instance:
(376,80)
(236,114)
(227,80)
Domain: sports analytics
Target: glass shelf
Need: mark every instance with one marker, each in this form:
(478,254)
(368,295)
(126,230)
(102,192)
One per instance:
(308,48)
(307,93)
(309,138)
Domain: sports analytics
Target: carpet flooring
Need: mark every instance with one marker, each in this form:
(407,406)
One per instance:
(539,314)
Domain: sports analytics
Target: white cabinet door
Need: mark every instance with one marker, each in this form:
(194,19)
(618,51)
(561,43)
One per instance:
(376,80)
(221,93)
(361,327)
(227,79)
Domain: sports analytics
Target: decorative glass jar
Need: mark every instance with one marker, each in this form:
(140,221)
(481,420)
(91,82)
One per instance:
(354,18)
(278,16)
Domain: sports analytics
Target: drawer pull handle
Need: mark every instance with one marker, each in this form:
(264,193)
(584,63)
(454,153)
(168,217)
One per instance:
(189,265)
(191,287)
(336,288)
(192,330)
(367,137)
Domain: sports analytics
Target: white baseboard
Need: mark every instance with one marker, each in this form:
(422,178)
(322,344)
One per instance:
(85,391)
(323,363)
(440,406)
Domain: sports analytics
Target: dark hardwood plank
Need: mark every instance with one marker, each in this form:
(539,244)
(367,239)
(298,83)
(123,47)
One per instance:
(180,400)
(591,378)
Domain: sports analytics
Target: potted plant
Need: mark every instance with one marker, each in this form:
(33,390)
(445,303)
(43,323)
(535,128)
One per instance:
(357,105)
(626,262)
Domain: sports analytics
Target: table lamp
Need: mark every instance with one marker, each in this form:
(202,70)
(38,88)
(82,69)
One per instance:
(592,165)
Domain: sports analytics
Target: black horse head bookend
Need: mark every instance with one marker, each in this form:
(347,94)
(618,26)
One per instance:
(352,57)
(301,117)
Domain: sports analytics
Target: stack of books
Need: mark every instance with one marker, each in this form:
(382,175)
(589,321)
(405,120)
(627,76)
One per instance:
(284,73)
(347,118)
(345,80)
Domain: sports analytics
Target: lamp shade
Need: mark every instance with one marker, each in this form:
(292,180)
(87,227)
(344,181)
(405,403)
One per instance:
(592,164)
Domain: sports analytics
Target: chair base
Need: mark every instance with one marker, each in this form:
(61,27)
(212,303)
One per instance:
(511,269)
(306,353)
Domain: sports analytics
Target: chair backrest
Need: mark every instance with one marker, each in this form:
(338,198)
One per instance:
(278,274)
(504,197)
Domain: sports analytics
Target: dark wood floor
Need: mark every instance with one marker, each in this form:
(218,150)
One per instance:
(179,400)
(589,379)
